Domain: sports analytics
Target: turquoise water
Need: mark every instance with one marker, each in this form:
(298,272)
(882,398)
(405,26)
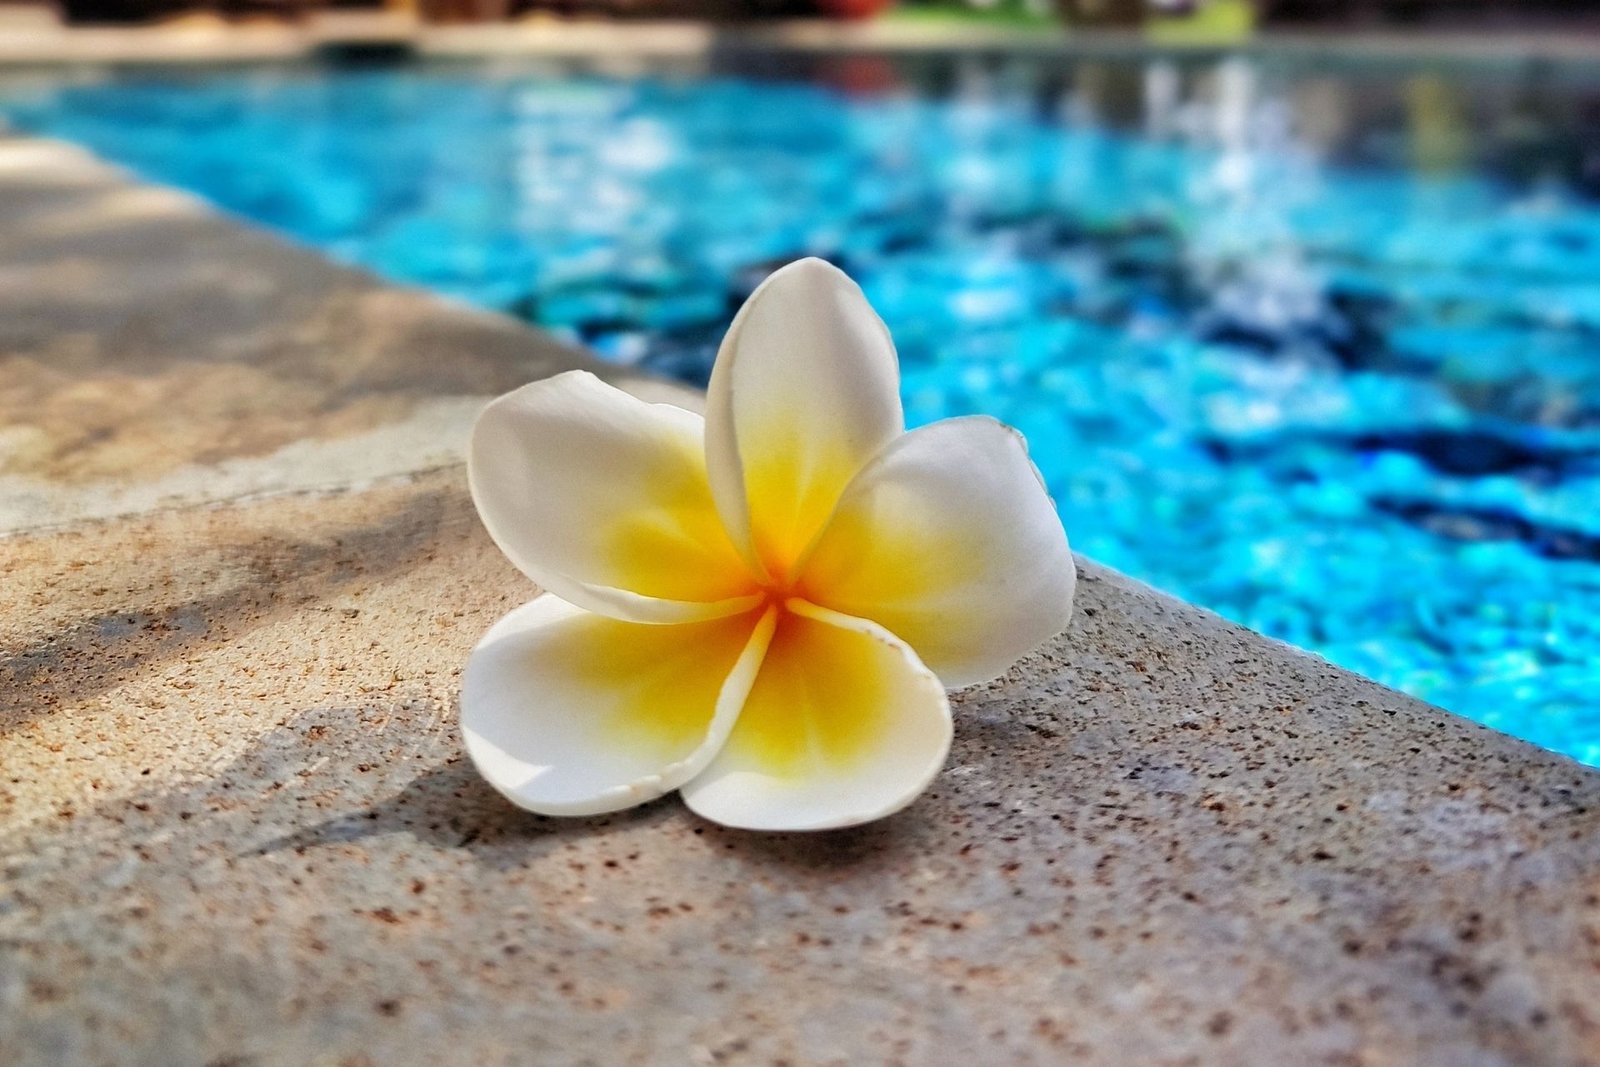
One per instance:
(1320,351)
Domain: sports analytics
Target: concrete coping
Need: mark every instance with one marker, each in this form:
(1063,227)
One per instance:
(237,826)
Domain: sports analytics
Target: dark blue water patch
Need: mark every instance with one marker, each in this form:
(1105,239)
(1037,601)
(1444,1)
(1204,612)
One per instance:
(1485,524)
(1470,452)
(1476,452)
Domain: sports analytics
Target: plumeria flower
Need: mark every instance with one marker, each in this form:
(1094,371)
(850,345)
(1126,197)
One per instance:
(763,607)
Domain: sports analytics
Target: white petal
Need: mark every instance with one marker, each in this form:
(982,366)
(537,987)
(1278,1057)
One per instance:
(949,540)
(842,726)
(804,392)
(570,713)
(603,500)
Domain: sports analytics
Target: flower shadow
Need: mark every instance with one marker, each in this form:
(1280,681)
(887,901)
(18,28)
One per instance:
(851,850)
(451,807)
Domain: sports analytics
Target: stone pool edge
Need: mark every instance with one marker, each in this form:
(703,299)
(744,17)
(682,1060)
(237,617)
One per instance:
(226,721)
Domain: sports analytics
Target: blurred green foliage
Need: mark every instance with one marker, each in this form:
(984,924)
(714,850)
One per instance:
(1005,12)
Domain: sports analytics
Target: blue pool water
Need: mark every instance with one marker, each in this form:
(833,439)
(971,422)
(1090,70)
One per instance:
(1318,350)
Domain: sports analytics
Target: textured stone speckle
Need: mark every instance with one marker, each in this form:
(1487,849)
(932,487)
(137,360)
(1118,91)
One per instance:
(239,823)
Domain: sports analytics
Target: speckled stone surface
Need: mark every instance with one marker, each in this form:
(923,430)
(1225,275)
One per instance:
(237,826)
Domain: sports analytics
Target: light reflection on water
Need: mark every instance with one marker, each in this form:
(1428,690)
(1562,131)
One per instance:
(1318,349)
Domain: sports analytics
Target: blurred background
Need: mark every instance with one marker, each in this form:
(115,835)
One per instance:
(1297,301)
(1453,14)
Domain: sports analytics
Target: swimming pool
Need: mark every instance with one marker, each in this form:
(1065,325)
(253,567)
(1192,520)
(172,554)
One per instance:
(1317,349)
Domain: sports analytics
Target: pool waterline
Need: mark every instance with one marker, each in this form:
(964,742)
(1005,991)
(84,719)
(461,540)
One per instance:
(1342,389)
